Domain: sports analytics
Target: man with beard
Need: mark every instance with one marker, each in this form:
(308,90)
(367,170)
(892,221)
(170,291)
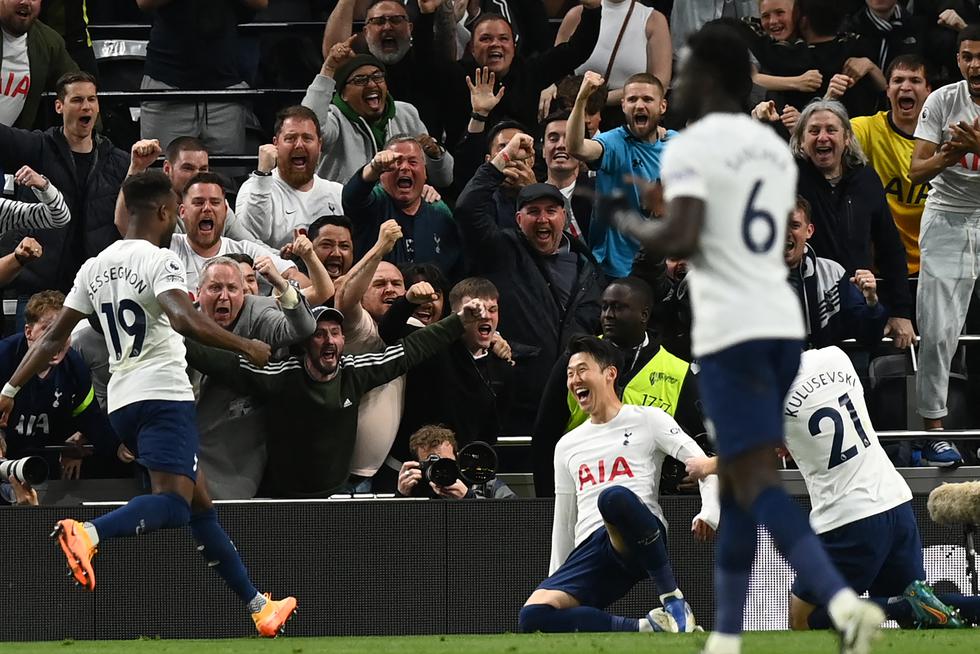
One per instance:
(333,244)
(404,46)
(32,58)
(634,149)
(203,213)
(652,376)
(390,188)
(184,158)
(88,170)
(549,283)
(324,390)
(947,154)
(361,116)
(232,424)
(283,193)
(886,139)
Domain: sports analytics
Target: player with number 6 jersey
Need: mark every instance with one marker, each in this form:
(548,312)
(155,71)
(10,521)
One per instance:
(138,291)
(730,186)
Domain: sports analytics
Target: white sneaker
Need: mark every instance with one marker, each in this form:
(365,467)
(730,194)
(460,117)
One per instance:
(860,628)
(722,644)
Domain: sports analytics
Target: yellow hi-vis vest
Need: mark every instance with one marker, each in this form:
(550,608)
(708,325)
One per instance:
(658,384)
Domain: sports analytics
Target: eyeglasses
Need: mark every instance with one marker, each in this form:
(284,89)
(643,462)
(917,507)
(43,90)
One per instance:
(378,77)
(380,21)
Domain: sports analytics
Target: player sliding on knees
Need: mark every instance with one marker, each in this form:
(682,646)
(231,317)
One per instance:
(609,530)
(730,185)
(137,289)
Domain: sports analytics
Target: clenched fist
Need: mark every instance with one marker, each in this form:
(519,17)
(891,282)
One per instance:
(268,157)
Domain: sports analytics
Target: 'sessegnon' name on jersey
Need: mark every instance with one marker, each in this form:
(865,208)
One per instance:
(120,287)
(746,177)
(830,435)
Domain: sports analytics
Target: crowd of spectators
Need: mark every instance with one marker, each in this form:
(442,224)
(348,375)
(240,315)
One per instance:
(449,150)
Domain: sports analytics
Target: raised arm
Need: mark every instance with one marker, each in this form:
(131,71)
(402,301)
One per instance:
(583,149)
(10,265)
(358,279)
(141,155)
(49,212)
(253,207)
(340,25)
(321,286)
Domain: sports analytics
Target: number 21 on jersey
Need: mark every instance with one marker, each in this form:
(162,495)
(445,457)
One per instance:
(131,319)
(837,454)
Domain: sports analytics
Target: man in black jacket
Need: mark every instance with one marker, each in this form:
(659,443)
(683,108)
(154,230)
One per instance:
(87,168)
(548,281)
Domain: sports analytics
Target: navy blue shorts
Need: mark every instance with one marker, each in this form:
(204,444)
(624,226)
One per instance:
(743,388)
(595,574)
(161,433)
(880,554)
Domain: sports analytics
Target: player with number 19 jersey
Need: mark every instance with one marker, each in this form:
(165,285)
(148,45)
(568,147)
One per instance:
(738,279)
(120,286)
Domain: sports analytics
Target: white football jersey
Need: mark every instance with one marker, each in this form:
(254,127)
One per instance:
(120,286)
(628,451)
(746,177)
(829,434)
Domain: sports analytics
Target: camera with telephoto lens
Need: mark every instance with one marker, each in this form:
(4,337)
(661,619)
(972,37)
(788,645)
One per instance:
(475,464)
(31,470)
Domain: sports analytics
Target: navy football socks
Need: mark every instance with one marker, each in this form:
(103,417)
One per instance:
(143,515)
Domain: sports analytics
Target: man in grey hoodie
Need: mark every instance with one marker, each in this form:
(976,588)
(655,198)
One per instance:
(358,116)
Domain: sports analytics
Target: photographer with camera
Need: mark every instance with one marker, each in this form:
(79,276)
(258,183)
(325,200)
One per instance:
(12,489)
(55,414)
(434,447)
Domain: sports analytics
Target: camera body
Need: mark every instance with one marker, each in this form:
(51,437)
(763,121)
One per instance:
(476,464)
(31,470)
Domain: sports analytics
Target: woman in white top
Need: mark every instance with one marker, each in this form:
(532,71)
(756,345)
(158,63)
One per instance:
(644,48)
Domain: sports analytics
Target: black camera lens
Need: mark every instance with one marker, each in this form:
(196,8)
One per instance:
(443,472)
(477,463)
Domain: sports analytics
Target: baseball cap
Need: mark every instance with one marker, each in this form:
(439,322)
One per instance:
(328,313)
(533,192)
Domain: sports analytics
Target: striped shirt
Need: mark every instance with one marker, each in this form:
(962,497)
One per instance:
(49,212)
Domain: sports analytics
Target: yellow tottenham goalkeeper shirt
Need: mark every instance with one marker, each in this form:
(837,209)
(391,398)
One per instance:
(889,152)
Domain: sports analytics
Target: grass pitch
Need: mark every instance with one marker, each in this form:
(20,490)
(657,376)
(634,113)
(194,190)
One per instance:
(891,642)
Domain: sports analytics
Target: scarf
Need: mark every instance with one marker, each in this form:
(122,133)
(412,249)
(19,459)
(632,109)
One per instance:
(884,26)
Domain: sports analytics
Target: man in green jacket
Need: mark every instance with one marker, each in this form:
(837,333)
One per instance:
(318,394)
(32,58)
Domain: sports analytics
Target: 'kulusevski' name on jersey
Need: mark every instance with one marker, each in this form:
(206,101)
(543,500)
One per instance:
(830,435)
(628,451)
